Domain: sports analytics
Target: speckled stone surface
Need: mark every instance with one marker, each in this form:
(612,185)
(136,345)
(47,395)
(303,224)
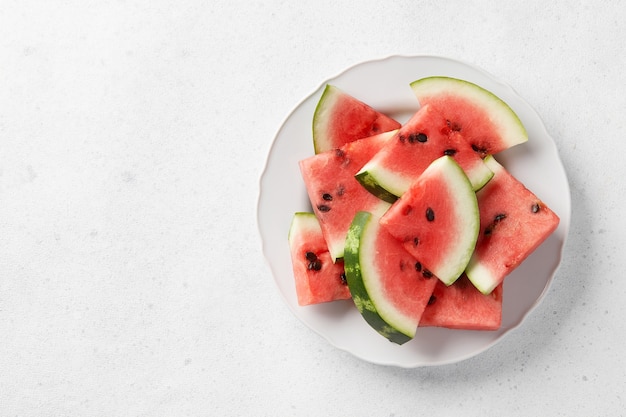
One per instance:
(132,138)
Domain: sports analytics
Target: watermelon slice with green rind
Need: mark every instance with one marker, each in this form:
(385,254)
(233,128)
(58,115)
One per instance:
(340,118)
(424,138)
(513,223)
(318,278)
(333,191)
(387,288)
(488,123)
(437,219)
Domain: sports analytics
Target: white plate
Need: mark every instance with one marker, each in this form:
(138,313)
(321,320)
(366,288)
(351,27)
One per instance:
(384,84)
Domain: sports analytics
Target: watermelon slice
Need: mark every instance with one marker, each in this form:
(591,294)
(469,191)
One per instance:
(387,288)
(340,118)
(335,194)
(513,223)
(484,120)
(462,306)
(437,220)
(318,279)
(424,138)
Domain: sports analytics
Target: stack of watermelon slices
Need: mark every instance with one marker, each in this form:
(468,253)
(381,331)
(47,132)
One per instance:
(418,223)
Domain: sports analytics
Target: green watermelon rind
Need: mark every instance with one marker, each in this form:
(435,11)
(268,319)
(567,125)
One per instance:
(512,129)
(320,122)
(361,280)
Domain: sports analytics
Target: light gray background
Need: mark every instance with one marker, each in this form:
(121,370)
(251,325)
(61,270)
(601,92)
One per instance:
(132,138)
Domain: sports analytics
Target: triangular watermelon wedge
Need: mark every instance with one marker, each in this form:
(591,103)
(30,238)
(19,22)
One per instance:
(484,120)
(340,118)
(462,306)
(437,219)
(335,194)
(424,138)
(513,223)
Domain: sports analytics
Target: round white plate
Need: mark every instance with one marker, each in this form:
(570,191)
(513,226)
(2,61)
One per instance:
(384,84)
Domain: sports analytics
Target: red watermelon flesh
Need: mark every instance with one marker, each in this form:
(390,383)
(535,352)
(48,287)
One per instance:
(341,118)
(513,223)
(462,306)
(484,120)
(424,138)
(437,220)
(318,279)
(335,194)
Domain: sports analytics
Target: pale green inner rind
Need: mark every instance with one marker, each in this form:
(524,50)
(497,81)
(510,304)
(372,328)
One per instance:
(512,129)
(358,274)
(320,117)
(480,276)
(466,211)
(375,178)
(303,222)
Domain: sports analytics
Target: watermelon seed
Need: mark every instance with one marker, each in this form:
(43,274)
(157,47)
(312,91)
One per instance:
(450,152)
(482,151)
(427,274)
(343,278)
(454,126)
(432,299)
(418,266)
(430,214)
(339,153)
(315,265)
(310,256)
(416,241)
(417,137)
(499,217)
(323,208)
(327,197)
(535,207)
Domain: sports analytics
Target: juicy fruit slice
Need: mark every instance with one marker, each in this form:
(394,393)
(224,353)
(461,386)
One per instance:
(437,219)
(340,118)
(462,306)
(317,278)
(424,138)
(513,223)
(388,290)
(335,194)
(484,120)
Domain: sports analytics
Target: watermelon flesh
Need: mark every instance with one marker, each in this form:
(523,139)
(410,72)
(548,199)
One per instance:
(462,306)
(436,219)
(424,138)
(335,194)
(388,289)
(341,118)
(485,121)
(513,223)
(318,278)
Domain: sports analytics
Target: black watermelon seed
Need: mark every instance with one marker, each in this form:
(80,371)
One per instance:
(488,230)
(480,150)
(499,217)
(343,278)
(430,214)
(535,208)
(427,274)
(315,265)
(327,197)
(450,152)
(339,153)
(323,208)
(416,241)
(310,256)
(417,137)
(432,299)
(418,266)
(453,126)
